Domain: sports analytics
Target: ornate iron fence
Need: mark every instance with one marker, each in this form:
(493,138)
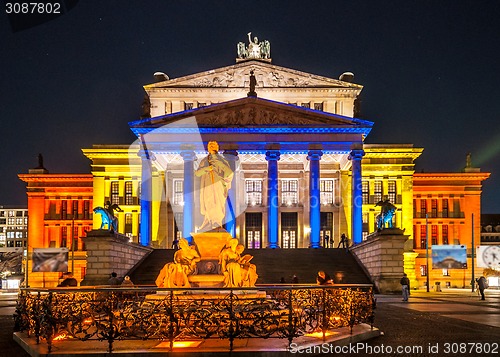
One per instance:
(111,314)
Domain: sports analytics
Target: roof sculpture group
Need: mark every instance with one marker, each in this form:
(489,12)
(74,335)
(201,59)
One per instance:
(255,49)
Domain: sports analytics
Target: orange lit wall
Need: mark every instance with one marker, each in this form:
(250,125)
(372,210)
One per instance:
(449,200)
(48,220)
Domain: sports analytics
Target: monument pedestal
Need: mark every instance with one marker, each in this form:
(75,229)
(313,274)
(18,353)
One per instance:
(209,245)
(382,255)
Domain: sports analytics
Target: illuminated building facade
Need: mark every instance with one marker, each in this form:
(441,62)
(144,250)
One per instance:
(60,213)
(303,171)
(452,204)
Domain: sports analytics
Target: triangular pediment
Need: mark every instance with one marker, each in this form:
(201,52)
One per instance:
(266,74)
(255,112)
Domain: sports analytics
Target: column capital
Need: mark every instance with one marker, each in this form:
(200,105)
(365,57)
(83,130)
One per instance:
(356,154)
(188,155)
(272,155)
(314,154)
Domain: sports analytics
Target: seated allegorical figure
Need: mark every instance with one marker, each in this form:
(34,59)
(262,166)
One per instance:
(248,270)
(175,274)
(230,265)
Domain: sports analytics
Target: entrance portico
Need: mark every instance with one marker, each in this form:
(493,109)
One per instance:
(283,146)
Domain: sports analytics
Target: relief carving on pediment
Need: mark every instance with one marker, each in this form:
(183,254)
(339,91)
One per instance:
(253,117)
(265,78)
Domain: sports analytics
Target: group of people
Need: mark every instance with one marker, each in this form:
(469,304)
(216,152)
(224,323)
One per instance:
(70,281)
(481,284)
(329,243)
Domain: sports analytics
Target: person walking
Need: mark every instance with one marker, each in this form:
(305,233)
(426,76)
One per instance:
(482,284)
(405,286)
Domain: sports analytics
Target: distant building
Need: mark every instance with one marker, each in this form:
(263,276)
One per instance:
(13,226)
(60,208)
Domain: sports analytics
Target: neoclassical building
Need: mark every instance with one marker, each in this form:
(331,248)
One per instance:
(302,169)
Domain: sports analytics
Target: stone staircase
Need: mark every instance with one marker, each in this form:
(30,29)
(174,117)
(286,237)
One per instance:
(272,265)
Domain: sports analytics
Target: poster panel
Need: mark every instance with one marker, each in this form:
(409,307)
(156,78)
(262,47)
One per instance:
(449,257)
(50,260)
(488,256)
(11,261)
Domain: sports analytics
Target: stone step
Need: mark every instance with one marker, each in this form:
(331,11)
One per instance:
(272,264)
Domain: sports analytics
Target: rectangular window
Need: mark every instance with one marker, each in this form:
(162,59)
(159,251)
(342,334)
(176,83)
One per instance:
(188,106)
(423,208)
(201,105)
(86,209)
(326,191)
(289,192)
(289,230)
(64,237)
(365,190)
(64,209)
(74,209)
(306,105)
(12,213)
(128,223)
(129,199)
(11,221)
(391,191)
(423,270)
(445,208)
(253,192)
(318,106)
(253,227)
(377,191)
(178,224)
(423,236)
(19,221)
(446,272)
(115,191)
(178,192)
(434,234)
(434,208)
(444,234)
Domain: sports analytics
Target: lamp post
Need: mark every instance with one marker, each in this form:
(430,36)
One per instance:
(427,249)
(473,249)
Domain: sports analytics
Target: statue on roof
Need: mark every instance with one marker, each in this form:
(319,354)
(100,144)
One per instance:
(255,49)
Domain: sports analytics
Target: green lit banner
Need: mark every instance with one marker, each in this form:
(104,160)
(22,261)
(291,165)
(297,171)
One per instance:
(449,257)
(50,260)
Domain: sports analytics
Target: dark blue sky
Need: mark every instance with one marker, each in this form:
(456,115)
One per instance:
(430,71)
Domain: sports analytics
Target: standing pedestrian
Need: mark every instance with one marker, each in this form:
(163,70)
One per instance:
(113,280)
(482,284)
(326,240)
(405,286)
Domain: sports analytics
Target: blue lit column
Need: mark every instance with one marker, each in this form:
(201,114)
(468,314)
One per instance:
(357,196)
(314,157)
(146,198)
(188,188)
(231,156)
(272,157)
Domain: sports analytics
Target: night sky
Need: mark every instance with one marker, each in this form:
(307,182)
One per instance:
(430,71)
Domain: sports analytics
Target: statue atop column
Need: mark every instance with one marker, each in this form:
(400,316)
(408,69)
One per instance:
(215,182)
(108,215)
(254,50)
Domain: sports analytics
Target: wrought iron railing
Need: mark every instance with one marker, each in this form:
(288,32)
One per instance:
(112,314)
